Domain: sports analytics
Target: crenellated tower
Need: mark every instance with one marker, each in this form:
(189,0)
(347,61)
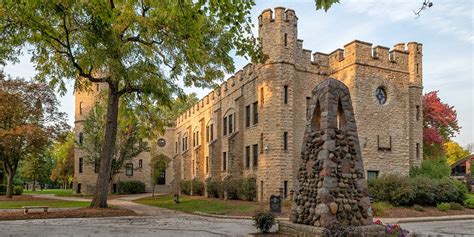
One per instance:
(278,34)
(415,88)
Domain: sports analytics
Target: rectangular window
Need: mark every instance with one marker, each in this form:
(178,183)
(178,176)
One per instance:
(247,157)
(129,169)
(140,163)
(286,39)
(183,144)
(231,124)
(285,189)
(97,86)
(212,132)
(247,116)
(307,104)
(96,165)
(176,147)
(80,108)
(417,113)
(81,165)
(285,95)
(255,155)
(207,164)
(417,151)
(255,113)
(372,174)
(285,141)
(207,133)
(194,139)
(224,161)
(225,126)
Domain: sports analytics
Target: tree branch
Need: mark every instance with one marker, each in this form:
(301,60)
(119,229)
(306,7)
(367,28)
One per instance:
(82,73)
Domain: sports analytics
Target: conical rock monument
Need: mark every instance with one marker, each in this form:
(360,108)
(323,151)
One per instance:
(331,188)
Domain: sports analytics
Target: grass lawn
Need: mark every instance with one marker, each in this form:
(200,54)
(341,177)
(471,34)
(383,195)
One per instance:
(192,204)
(50,203)
(57,192)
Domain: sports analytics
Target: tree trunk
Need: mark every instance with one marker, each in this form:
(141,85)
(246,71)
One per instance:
(10,176)
(34,184)
(103,178)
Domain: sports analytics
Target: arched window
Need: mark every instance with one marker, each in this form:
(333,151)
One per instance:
(185,141)
(229,122)
(210,130)
(195,136)
(340,117)
(316,122)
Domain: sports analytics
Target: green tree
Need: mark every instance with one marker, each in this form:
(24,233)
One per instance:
(454,152)
(63,155)
(29,120)
(130,137)
(36,168)
(433,168)
(139,48)
(159,163)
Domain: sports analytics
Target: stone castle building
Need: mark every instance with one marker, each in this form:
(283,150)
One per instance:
(253,124)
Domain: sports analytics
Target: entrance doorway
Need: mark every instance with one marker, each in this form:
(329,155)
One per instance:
(162,178)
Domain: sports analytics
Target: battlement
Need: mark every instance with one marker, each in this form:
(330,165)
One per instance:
(281,15)
(361,52)
(228,86)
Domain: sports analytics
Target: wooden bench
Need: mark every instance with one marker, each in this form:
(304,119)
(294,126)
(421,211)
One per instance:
(26,208)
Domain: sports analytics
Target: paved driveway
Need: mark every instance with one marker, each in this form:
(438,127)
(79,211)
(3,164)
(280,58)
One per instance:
(178,225)
(441,228)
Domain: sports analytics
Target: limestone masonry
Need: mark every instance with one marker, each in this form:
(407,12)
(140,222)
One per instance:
(253,124)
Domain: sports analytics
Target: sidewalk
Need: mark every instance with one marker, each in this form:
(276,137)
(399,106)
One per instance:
(145,210)
(123,202)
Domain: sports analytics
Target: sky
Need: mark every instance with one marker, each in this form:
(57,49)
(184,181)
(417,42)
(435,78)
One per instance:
(445,30)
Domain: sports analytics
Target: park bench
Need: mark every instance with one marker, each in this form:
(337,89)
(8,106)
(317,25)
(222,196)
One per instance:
(26,208)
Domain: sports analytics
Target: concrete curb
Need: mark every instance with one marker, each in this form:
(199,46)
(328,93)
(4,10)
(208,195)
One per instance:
(384,220)
(425,219)
(233,217)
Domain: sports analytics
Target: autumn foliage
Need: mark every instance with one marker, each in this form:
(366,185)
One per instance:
(29,121)
(440,120)
(440,124)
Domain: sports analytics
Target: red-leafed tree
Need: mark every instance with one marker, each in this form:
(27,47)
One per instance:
(440,123)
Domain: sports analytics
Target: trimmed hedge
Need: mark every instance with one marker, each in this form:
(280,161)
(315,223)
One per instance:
(248,189)
(18,190)
(197,188)
(235,189)
(469,203)
(194,187)
(131,187)
(214,188)
(185,187)
(419,190)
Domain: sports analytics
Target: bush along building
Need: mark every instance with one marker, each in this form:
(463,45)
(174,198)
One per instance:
(252,126)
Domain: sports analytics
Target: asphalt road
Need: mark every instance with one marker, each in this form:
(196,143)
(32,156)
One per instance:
(128,226)
(441,228)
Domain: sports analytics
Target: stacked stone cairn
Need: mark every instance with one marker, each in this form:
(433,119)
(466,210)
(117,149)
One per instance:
(331,188)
